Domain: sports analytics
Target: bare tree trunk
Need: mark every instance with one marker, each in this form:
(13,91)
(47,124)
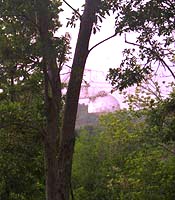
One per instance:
(68,131)
(52,92)
(59,144)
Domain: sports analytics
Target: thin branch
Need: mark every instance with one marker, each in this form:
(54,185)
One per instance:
(154,52)
(157,68)
(65,73)
(102,42)
(164,63)
(152,92)
(72,8)
(68,66)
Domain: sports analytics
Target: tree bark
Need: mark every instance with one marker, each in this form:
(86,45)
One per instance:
(59,143)
(68,130)
(52,92)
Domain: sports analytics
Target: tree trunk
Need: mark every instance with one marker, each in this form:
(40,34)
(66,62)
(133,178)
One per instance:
(68,130)
(52,92)
(59,145)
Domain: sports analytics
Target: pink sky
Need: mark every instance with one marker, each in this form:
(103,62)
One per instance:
(106,55)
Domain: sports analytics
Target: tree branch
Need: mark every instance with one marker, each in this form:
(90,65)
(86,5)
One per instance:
(152,92)
(102,42)
(154,52)
(72,8)
(163,62)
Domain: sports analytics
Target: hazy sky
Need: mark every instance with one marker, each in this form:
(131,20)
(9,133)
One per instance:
(106,55)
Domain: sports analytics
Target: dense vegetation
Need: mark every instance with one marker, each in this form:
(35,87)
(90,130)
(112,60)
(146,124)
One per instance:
(129,155)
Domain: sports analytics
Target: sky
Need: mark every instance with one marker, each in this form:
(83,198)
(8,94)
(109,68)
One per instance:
(105,56)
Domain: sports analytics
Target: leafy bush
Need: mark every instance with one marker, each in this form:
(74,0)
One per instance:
(121,162)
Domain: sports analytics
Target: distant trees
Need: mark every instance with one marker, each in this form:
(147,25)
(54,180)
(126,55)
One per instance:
(131,156)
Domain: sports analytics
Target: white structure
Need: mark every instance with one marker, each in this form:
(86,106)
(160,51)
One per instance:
(96,92)
(103,104)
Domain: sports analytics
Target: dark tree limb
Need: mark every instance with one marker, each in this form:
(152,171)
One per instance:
(72,96)
(96,45)
(155,53)
(72,8)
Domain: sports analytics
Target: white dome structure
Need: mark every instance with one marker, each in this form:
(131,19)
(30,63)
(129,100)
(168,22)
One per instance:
(103,103)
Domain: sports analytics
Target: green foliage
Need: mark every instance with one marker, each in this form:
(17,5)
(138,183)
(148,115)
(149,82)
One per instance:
(162,121)
(22,111)
(122,160)
(21,59)
(153,23)
(129,157)
(21,153)
(145,96)
(121,78)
